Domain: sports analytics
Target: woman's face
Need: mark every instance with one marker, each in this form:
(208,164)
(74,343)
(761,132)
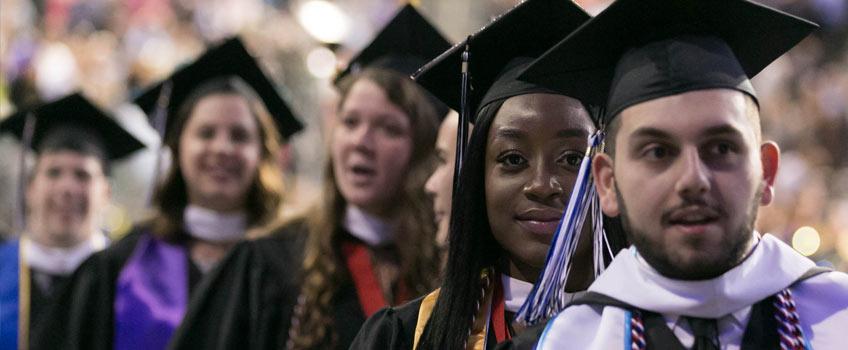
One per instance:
(533,153)
(220,149)
(371,147)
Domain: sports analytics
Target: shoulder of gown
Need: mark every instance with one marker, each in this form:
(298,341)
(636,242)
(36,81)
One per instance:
(390,328)
(525,341)
(81,316)
(248,299)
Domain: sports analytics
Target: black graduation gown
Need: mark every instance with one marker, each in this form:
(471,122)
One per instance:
(390,328)
(82,316)
(251,299)
(394,328)
(248,300)
(40,299)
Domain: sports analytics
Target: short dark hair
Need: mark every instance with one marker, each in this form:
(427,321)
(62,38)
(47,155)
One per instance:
(75,139)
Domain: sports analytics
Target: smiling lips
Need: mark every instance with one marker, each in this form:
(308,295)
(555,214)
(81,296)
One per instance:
(542,222)
(221,172)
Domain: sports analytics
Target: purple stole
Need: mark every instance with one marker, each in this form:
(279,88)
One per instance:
(151,295)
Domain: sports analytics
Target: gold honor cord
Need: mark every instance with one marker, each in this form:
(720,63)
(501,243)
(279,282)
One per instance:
(23,299)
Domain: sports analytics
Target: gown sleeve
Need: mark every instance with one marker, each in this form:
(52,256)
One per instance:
(248,299)
(389,328)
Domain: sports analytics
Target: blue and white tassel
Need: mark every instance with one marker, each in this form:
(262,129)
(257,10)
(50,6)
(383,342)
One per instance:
(548,296)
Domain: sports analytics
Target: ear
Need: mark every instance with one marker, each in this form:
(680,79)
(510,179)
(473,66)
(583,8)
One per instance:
(770,158)
(604,176)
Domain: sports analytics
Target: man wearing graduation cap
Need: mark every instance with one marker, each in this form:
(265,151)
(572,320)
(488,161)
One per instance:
(66,195)
(686,170)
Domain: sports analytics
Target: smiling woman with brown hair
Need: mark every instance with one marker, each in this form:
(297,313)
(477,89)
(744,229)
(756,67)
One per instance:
(223,182)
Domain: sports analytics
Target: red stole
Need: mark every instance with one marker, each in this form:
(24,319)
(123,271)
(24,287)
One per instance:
(358,260)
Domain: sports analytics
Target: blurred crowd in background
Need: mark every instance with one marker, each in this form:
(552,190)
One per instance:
(111,49)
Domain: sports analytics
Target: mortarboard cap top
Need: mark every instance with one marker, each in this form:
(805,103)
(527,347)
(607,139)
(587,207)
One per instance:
(229,59)
(645,49)
(510,40)
(74,113)
(406,43)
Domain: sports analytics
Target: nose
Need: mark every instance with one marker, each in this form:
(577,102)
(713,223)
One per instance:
(544,186)
(694,178)
(362,138)
(434,181)
(222,143)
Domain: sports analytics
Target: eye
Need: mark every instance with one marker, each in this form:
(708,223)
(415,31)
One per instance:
(240,135)
(206,132)
(349,121)
(82,175)
(656,152)
(393,130)
(512,160)
(722,148)
(440,158)
(572,159)
(53,173)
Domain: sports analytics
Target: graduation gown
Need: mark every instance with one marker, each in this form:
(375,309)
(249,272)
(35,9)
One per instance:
(84,316)
(38,294)
(821,301)
(247,301)
(397,327)
(251,298)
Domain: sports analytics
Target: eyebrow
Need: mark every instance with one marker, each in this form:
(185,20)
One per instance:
(724,129)
(509,133)
(514,133)
(649,132)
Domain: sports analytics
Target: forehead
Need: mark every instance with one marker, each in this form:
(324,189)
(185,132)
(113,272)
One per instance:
(690,114)
(68,158)
(367,98)
(222,108)
(549,110)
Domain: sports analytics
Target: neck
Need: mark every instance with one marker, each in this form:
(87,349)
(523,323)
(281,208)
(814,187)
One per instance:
(522,271)
(57,240)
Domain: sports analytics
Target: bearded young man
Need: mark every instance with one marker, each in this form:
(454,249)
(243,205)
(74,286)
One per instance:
(686,170)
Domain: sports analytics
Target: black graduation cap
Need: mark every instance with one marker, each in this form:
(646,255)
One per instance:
(646,49)
(230,58)
(74,112)
(405,44)
(499,51)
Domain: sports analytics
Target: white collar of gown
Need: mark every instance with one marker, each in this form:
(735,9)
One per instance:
(368,228)
(212,226)
(61,261)
(515,292)
(770,267)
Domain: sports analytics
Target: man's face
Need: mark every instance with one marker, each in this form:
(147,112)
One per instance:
(65,196)
(688,176)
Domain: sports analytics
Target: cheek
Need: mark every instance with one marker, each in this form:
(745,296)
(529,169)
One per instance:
(337,146)
(189,151)
(395,156)
(252,155)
